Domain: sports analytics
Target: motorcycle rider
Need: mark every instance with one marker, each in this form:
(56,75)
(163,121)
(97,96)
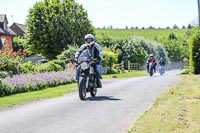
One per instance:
(151,59)
(161,62)
(96,53)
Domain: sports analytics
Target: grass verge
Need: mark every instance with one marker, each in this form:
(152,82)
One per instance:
(175,111)
(24,98)
(126,74)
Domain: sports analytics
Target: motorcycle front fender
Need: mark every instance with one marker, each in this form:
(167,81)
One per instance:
(84,78)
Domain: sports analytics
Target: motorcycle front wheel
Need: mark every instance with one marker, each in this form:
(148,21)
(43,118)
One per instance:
(82,89)
(93,92)
(151,72)
(161,71)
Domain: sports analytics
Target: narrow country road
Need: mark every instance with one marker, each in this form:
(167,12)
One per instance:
(117,104)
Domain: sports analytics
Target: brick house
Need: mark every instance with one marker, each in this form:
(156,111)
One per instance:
(6,34)
(19,29)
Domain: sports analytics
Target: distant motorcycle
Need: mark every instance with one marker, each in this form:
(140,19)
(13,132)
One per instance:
(87,78)
(161,70)
(151,68)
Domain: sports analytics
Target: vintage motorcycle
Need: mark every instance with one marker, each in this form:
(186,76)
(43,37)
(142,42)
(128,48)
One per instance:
(87,78)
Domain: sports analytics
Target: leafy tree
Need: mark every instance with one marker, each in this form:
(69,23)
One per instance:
(177,48)
(175,26)
(151,27)
(54,25)
(126,27)
(136,49)
(183,27)
(105,41)
(172,36)
(195,51)
(189,26)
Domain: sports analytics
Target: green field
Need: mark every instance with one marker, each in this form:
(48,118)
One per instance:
(148,34)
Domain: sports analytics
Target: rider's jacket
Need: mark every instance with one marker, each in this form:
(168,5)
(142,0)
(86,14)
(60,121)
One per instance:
(161,63)
(151,59)
(95,52)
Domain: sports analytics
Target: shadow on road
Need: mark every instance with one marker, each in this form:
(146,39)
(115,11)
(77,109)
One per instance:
(102,98)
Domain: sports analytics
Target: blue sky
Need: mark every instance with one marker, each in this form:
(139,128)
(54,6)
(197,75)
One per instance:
(119,13)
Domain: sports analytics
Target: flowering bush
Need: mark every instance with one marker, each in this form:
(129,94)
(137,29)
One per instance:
(9,60)
(31,82)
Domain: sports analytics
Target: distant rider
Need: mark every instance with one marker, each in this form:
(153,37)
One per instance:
(151,59)
(161,62)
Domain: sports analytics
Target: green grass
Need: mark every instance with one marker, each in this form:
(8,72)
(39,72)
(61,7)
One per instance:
(148,34)
(127,74)
(24,98)
(175,111)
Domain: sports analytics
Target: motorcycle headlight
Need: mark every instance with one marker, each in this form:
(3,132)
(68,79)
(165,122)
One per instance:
(84,65)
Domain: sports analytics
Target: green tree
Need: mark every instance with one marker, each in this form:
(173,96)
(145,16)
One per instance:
(175,26)
(177,48)
(189,26)
(105,41)
(195,51)
(54,25)
(137,49)
(172,36)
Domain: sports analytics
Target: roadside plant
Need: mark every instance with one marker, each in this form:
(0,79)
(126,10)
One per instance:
(32,82)
(9,60)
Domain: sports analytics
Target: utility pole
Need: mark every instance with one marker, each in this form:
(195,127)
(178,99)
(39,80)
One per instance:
(199,11)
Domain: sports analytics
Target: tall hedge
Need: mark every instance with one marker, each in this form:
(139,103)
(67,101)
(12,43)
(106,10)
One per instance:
(194,44)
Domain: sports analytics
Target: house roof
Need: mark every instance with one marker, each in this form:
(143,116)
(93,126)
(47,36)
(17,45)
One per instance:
(7,32)
(21,26)
(3,17)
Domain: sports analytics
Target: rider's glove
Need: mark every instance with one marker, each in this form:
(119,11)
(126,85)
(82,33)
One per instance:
(93,63)
(76,60)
